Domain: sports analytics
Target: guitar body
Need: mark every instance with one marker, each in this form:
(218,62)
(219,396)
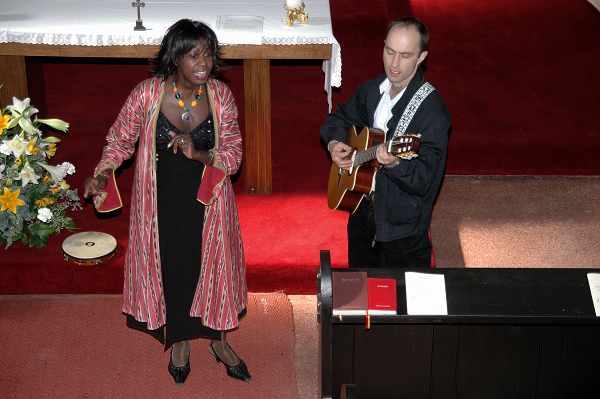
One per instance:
(346,189)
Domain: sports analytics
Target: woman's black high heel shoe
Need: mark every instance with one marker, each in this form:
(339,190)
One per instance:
(239,371)
(179,374)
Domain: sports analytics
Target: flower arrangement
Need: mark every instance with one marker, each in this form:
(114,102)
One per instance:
(34,196)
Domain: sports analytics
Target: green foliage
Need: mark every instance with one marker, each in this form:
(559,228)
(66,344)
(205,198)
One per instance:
(34,196)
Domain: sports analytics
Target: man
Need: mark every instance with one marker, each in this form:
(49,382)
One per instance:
(390,227)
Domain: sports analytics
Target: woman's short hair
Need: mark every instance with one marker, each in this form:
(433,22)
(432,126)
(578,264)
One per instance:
(180,39)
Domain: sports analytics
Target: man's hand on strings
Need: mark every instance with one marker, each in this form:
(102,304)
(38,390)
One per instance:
(341,154)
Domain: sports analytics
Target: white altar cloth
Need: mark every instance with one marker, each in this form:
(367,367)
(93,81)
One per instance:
(111,22)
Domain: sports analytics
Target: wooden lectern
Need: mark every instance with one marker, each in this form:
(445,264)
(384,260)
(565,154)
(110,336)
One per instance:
(509,333)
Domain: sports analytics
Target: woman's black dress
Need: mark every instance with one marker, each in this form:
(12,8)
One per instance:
(180,223)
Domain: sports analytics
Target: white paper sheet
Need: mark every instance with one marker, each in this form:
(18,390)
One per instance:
(425,294)
(594,281)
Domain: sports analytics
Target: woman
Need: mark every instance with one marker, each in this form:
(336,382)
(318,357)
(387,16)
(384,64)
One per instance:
(184,268)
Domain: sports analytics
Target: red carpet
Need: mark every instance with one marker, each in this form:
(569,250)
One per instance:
(286,233)
(79,347)
(520,79)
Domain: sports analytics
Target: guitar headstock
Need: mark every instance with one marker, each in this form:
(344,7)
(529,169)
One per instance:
(406,146)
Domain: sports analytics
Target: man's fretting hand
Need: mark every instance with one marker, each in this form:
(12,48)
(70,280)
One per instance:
(385,158)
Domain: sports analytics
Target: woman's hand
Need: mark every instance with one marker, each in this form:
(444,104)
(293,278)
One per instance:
(95,185)
(183,143)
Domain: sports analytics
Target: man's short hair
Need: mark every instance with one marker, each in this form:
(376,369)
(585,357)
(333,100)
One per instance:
(406,22)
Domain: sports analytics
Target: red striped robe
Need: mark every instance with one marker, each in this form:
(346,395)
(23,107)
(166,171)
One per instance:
(221,293)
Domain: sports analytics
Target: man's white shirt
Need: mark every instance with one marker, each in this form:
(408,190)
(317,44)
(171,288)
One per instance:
(383,112)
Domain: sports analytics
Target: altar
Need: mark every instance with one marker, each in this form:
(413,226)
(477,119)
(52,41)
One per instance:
(253,31)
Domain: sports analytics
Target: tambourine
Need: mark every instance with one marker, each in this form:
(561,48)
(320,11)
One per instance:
(89,247)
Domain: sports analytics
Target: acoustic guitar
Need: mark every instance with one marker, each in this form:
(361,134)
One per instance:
(347,188)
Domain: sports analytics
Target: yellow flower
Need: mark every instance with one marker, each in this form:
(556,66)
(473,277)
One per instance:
(46,179)
(9,200)
(18,161)
(43,202)
(32,147)
(4,121)
(51,150)
(63,185)
(60,186)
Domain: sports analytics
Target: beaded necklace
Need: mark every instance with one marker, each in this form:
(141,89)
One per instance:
(187,115)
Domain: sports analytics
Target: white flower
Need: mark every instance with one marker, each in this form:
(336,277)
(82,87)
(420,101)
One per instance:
(28,175)
(21,106)
(57,172)
(16,146)
(68,167)
(2,167)
(44,214)
(22,112)
(4,148)
(57,124)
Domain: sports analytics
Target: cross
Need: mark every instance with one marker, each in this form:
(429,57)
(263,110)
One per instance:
(138,23)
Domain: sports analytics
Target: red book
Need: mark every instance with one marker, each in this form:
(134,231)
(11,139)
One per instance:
(349,291)
(212,178)
(382,296)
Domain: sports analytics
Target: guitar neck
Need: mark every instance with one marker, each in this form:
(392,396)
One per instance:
(405,147)
(365,156)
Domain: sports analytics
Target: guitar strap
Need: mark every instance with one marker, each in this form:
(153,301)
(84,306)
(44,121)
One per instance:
(412,107)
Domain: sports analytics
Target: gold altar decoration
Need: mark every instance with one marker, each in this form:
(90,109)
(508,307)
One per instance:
(296,12)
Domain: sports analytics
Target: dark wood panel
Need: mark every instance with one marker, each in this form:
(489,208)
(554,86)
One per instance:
(443,372)
(301,51)
(13,78)
(578,362)
(511,333)
(257,137)
(342,357)
(497,361)
(393,358)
